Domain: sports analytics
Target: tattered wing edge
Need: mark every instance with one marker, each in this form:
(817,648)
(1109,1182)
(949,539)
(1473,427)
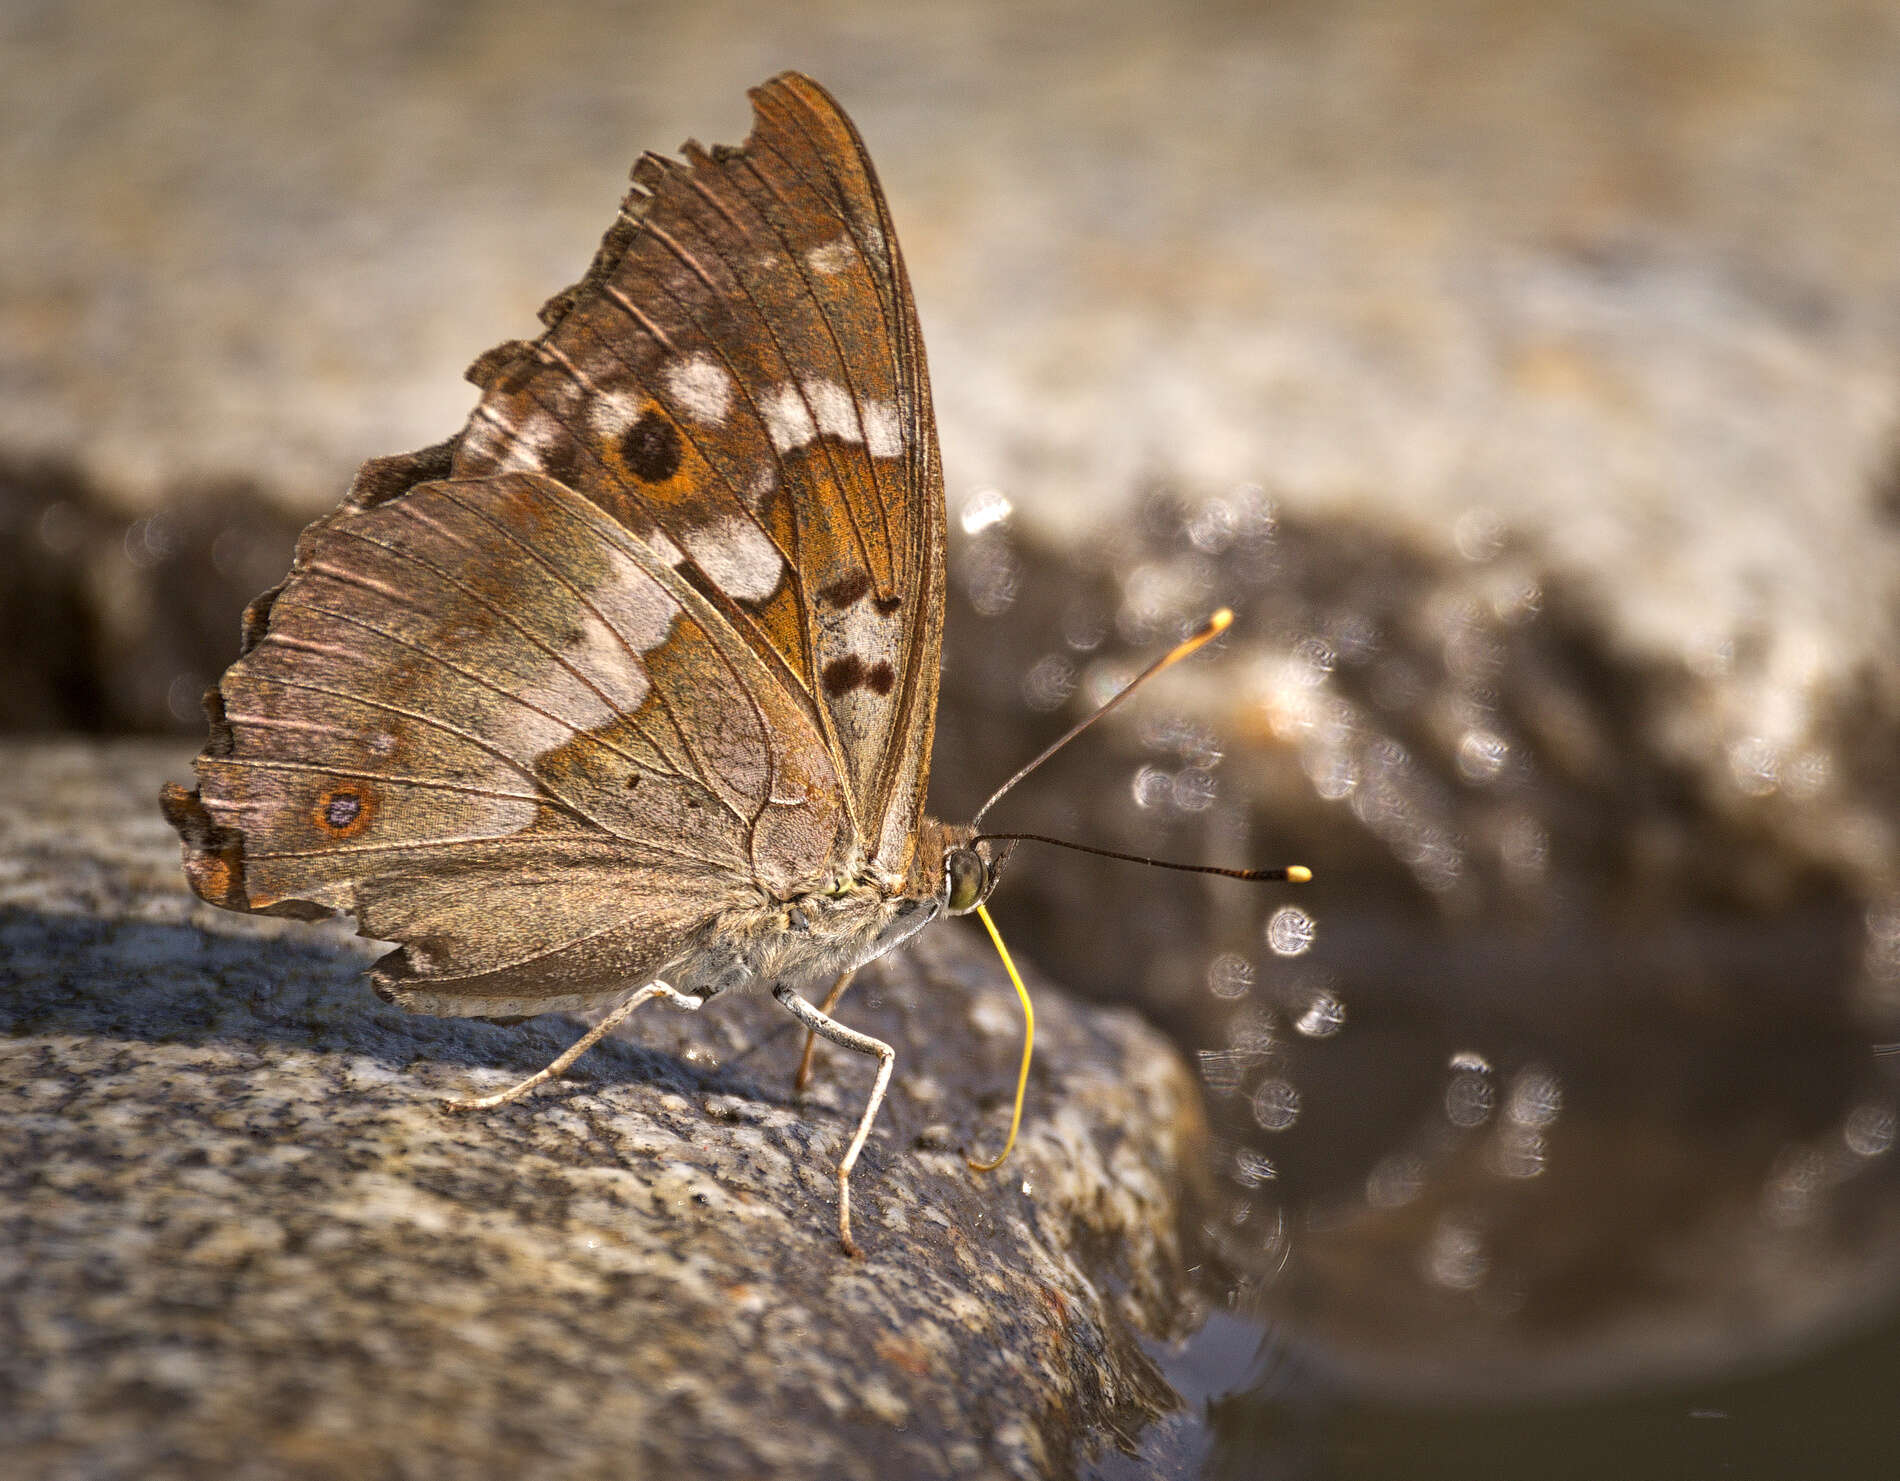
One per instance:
(213,854)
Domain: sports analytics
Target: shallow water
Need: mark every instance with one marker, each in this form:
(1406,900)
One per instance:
(1819,1412)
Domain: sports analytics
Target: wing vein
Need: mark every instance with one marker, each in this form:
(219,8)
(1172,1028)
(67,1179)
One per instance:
(432,784)
(431,656)
(657,690)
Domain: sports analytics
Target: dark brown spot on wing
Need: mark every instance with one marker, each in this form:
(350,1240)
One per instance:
(562,462)
(651,449)
(845,590)
(887,605)
(842,675)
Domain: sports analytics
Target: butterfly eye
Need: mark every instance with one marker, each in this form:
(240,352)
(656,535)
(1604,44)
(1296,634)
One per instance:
(964,877)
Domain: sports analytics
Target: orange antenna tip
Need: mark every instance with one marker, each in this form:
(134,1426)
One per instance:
(1298,874)
(1216,625)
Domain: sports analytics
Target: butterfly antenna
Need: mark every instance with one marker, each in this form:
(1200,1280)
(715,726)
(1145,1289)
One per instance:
(1216,625)
(1029,1044)
(1290,874)
(1295,873)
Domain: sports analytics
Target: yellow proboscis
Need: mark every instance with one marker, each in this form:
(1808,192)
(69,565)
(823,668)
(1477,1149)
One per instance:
(1217,624)
(1029,1044)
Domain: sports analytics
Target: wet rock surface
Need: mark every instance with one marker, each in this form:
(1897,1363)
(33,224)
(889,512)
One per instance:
(241,1238)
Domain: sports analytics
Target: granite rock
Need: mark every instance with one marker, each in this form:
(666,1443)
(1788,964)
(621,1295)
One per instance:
(242,1239)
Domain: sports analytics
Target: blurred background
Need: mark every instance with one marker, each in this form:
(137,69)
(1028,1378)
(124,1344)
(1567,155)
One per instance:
(1524,375)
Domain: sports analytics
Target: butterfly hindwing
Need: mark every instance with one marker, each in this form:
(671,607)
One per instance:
(741,375)
(499,728)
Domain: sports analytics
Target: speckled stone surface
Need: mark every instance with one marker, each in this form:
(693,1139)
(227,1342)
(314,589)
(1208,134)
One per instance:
(239,1238)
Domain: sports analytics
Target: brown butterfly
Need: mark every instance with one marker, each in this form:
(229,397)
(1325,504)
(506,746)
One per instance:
(628,689)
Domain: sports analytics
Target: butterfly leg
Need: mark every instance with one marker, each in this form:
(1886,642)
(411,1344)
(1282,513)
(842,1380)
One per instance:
(831,1029)
(803,1077)
(579,1047)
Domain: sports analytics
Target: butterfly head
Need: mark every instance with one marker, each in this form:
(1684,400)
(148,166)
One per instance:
(966,880)
(971,872)
(960,869)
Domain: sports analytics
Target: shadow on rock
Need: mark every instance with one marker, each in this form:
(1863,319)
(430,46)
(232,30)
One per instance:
(152,983)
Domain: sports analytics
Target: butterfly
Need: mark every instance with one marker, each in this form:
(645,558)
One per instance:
(627,690)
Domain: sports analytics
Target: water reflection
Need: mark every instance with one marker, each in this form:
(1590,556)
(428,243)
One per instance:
(1290,931)
(1324,1017)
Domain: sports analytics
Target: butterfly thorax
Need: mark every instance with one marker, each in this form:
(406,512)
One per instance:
(853,916)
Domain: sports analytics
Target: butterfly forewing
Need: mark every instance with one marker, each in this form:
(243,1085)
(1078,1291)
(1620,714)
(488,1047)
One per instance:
(740,379)
(654,640)
(814,141)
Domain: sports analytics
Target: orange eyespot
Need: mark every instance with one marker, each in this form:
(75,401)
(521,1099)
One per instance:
(344,811)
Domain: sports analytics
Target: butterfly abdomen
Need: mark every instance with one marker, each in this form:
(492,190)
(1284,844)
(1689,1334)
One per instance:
(810,938)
